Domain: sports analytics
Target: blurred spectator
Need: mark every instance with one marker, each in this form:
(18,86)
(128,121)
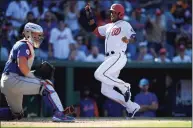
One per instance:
(95,56)
(16,12)
(171,30)
(80,40)
(12,34)
(149,5)
(88,106)
(56,7)
(29,18)
(105,4)
(143,53)
(163,56)
(109,109)
(138,23)
(4,53)
(9,37)
(186,28)
(48,23)
(71,18)
(178,11)
(155,33)
(39,10)
(170,96)
(75,54)
(147,100)
(188,50)
(181,58)
(60,39)
(80,4)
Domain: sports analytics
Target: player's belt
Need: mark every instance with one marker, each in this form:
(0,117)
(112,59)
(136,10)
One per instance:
(111,53)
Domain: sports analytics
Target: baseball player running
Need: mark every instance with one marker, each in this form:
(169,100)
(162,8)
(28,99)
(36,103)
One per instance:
(17,80)
(117,35)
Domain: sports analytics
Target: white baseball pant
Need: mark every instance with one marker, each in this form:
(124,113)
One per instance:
(108,71)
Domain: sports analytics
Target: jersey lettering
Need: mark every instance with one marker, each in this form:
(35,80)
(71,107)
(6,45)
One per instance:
(116,31)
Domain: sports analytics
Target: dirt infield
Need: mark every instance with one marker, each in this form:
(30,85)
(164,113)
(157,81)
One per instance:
(101,122)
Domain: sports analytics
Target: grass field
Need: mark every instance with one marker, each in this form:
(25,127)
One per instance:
(102,122)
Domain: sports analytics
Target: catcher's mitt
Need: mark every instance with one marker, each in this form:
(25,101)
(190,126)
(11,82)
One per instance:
(45,71)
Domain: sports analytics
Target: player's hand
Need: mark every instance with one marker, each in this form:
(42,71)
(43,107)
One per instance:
(88,8)
(125,40)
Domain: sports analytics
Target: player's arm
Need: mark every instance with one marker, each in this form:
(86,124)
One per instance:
(154,104)
(130,35)
(126,40)
(23,66)
(91,22)
(22,60)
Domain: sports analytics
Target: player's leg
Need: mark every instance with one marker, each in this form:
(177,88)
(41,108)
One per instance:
(105,73)
(109,92)
(14,101)
(15,110)
(49,96)
(113,94)
(28,86)
(116,95)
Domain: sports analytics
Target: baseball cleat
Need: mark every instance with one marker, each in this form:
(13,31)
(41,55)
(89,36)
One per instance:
(60,117)
(135,109)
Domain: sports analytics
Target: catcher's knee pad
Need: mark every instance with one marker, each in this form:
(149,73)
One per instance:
(51,98)
(6,114)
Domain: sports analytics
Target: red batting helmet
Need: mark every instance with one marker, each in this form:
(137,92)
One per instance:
(119,9)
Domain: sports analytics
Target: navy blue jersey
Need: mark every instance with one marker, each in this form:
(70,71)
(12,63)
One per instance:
(19,49)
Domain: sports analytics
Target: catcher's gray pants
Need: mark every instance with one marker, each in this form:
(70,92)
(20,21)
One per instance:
(14,87)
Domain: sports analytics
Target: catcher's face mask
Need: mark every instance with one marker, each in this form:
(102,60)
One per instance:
(37,37)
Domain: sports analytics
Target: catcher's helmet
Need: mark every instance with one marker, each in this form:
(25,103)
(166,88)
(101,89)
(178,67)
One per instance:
(34,34)
(119,9)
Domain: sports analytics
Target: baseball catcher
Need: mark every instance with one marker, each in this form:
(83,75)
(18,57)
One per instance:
(17,79)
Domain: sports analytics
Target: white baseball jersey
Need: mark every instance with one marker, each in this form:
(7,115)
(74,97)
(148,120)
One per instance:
(114,33)
(61,41)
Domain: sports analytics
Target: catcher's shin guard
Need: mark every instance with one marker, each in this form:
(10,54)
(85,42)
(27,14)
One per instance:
(51,98)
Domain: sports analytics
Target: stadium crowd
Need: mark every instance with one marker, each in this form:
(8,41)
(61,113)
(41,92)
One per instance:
(163,29)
